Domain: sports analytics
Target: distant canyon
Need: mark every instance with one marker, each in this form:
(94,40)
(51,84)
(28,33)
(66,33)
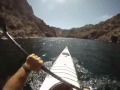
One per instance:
(22,23)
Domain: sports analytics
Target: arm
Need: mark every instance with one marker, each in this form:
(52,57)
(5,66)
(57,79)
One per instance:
(16,82)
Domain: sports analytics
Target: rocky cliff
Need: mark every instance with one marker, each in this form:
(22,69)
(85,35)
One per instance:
(22,23)
(108,30)
(21,20)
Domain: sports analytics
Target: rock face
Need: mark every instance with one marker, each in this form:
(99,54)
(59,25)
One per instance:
(22,23)
(103,31)
(21,20)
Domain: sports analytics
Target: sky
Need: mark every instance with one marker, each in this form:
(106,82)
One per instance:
(68,14)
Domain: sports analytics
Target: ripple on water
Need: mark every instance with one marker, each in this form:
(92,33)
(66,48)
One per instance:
(86,78)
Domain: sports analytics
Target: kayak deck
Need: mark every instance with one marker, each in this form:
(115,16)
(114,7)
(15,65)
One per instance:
(64,68)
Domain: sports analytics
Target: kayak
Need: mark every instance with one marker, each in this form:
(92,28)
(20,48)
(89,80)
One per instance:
(64,68)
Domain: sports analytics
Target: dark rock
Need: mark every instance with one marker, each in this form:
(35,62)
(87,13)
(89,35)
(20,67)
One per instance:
(114,38)
(2,23)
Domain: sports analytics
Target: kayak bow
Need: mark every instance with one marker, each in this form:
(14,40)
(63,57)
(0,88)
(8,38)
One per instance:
(64,68)
(4,29)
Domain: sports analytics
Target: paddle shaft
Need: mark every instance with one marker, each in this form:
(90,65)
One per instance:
(43,67)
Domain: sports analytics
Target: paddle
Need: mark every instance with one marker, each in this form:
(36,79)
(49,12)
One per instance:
(4,28)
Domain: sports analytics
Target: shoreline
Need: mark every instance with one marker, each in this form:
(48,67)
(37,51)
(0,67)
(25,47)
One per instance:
(4,38)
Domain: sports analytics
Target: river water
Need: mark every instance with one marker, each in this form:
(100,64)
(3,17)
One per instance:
(97,63)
